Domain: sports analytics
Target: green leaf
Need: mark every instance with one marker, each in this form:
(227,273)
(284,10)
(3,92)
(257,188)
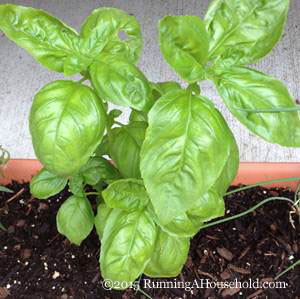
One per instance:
(184,45)
(46,184)
(103,212)
(243,31)
(98,168)
(67,123)
(127,245)
(4,189)
(169,256)
(48,40)
(183,225)
(121,83)
(164,87)
(128,195)
(244,88)
(75,219)
(125,145)
(184,152)
(102,31)
(76,185)
(103,148)
(137,116)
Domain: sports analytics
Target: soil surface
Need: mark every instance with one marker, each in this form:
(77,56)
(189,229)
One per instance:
(37,262)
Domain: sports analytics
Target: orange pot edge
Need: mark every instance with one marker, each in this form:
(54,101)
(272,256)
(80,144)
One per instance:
(22,170)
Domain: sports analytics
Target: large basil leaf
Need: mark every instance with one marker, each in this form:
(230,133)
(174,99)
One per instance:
(244,88)
(102,33)
(128,195)
(127,245)
(46,184)
(51,42)
(121,83)
(184,152)
(169,256)
(124,147)
(103,211)
(243,31)
(67,123)
(98,168)
(75,219)
(184,45)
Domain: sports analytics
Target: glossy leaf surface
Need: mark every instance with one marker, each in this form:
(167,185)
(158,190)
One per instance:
(111,30)
(128,195)
(125,145)
(103,211)
(243,31)
(98,168)
(75,219)
(46,184)
(184,45)
(48,40)
(67,123)
(121,83)
(127,245)
(184,152)
(169,256)
(249,89)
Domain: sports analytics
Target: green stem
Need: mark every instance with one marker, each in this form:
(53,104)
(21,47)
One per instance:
(291,267)
(118,123)
(247,212)
(261,184)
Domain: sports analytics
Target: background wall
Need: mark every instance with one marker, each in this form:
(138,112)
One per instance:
(21,77)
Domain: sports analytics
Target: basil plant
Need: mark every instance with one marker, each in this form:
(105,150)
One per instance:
(175,159)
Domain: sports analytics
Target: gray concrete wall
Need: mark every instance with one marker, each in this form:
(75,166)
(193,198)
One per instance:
(21,77)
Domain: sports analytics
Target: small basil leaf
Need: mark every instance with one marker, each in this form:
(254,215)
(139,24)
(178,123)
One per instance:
(249,89)
(75,219)
(46,184)
(121,83)
(76,185)
(4,189)
(47,39)
(184,45)
(112,115)
(128,195)
(124,147)
(98,168)
(67,123)
(183,153)
(102,33)
(169,256)
(243,31)
(103,212)
(127,245)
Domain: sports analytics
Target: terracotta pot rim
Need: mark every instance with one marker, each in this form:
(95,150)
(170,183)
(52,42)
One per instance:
(22,170)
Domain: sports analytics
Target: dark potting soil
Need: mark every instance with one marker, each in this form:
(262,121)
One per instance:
(37,262)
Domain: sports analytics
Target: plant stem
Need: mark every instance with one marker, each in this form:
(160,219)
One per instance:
(118,123)
(287,269)
(261,184)
(144,293)
(247,212)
